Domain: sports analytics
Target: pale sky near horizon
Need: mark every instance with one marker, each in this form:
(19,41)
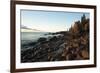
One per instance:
(49,21)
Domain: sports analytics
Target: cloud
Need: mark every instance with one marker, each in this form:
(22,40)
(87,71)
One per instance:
(25,27)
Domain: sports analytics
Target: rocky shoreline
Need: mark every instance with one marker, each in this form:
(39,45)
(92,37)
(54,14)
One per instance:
(58,48)
(69,45)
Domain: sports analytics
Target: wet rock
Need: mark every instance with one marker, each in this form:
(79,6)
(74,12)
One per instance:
(85,54)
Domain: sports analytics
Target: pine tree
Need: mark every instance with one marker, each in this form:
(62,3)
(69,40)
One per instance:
(83,19)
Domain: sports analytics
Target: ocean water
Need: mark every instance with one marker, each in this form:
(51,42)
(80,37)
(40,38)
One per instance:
(27,37)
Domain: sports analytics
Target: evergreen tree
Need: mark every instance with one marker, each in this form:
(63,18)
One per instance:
(83,19)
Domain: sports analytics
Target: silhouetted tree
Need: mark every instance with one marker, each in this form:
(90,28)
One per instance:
(83,19)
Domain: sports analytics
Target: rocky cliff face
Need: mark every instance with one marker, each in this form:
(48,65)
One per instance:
(70,45)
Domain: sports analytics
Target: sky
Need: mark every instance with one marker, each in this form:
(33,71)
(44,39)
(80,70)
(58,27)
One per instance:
(49,21)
